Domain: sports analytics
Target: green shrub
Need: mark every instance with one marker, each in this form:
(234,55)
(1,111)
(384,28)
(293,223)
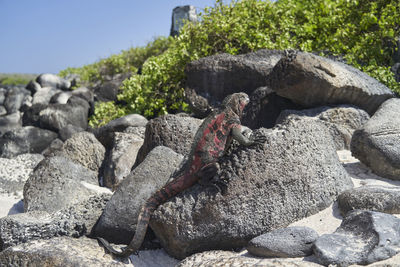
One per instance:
(126,61)
(364,32)
(16,78)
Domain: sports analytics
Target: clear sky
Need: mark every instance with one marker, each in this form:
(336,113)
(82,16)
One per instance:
(38,36)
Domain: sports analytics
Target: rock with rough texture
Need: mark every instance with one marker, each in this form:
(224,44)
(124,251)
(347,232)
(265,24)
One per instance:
(341,121)
(290,242)
(217,76)
(264,108)
(14,172)
(75,221)
(27,139)
(54,148)
(33,86)
(60,97)
(68,131)
(10,122)
(84,93)
(57,182)
(377,144)
(3,93)
(105,134)
(108,89)
(44,95)
(229,258)
(57,116)
(31,115)
(277,176)
(180,15)
(363,237)
(58,252)
(84,149)
(3,111)
(121,158)
(138,131)
(173,131)
(14,99)
(118,221)
(312,80)
(51,80)
(374,197)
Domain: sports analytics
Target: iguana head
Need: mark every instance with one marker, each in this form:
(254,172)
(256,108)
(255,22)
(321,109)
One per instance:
(236,102)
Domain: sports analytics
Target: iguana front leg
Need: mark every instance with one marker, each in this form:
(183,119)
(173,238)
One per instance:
(243,140)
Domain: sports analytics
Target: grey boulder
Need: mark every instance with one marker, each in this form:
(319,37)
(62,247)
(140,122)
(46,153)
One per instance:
(75,221)
(51,80)
(363,237)
(264,108)
(377,144)
(58,251)
(44,95)
(68,131)
(3,111)
(14,172)
(173,131)
(290,242)
(31,115)
(118,221)
(33,86)
(57,182)
(27,139)
(214,77)
(60,98)
(105,134)
(14,99)
(83,148)
(374,197)
(341,121)
(312,80)
(10,122)
(57,116)
(277,176)
(121,158)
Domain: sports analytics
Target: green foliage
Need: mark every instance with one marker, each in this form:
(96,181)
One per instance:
(105,112)
(126,61)
(16,78)
(364,32)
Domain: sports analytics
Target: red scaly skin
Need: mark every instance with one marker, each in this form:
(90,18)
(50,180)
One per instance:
(210,142)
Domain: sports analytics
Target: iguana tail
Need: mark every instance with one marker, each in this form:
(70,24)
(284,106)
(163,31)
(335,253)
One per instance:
(162,195)
(140,232)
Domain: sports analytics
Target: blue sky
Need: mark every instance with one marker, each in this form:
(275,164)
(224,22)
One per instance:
(38,36)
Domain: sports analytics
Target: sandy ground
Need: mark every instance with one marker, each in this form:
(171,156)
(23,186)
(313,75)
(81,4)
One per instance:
(324,222)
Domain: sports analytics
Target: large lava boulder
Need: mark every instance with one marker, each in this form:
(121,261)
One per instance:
(27,139)
(363,237)
(377,144)
(214,77)
(173,131)
(118,221)
(295,174)
(312,80)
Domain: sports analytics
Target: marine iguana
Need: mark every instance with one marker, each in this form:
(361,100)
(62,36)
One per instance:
(212,139)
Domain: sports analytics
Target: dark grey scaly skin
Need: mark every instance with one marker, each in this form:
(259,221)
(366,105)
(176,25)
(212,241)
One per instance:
(210,142)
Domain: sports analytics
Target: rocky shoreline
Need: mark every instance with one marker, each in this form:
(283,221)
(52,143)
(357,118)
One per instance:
(302,183)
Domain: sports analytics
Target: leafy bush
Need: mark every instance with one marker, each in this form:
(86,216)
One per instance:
(363,32)
(127,61)
(16,78)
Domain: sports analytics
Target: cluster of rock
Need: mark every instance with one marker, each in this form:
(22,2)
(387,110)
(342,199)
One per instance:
(306,106)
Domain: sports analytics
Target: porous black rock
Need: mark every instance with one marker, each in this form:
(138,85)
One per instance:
(363,237)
